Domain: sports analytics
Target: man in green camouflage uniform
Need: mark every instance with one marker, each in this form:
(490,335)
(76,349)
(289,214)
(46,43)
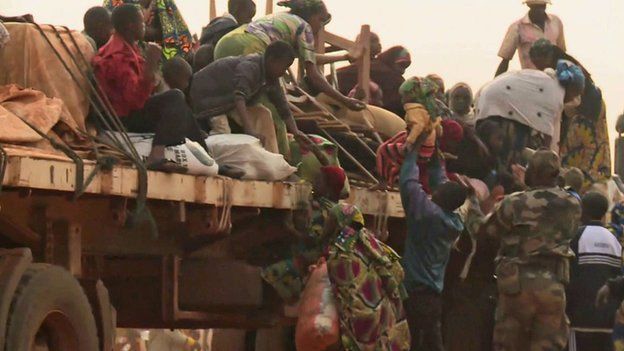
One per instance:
(535,228)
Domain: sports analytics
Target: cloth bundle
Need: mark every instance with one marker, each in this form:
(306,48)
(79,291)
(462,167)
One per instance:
(245,152)
(418,121)
(28,60)
(390,156)
(37,109)
(318,326)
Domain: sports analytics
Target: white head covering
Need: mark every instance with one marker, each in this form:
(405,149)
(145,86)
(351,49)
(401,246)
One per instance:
(529,96)
(537,2)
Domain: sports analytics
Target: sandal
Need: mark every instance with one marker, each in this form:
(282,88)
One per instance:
(232,172)
(165,165)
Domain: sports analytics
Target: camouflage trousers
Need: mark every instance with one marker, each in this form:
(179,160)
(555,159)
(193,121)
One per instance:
(618,329)
(534,318)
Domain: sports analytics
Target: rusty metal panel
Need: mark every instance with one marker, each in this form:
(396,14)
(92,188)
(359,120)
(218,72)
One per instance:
(219,284)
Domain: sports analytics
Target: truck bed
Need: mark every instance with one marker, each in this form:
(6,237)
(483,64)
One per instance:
(33,169)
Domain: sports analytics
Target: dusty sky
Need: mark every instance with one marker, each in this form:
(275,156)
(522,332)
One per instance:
(458,39)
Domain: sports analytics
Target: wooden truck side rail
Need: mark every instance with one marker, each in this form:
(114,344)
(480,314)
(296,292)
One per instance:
(57,174)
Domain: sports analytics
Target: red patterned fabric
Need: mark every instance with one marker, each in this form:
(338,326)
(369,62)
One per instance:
(336,178)
(453,132)
(390,158)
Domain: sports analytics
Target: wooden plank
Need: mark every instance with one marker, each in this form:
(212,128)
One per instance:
(377,202)
(25,172)
(213,9)
(269,7)
(364,63)
(338,41)
(55,175)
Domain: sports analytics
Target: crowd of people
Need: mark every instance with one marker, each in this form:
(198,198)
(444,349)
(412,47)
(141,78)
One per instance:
(509,228)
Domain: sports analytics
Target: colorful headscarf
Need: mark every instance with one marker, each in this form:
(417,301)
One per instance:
(303,6)
(335,177)
(177,39)
(421,91)
(439,82)
(570,75)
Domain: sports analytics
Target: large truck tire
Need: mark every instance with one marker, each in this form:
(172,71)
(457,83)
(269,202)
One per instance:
(50,311)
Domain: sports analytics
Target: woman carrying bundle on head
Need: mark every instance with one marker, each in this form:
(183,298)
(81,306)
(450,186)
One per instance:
(529,102)
(584,138)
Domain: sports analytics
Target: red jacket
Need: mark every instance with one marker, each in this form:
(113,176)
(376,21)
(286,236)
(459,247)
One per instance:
(119,68)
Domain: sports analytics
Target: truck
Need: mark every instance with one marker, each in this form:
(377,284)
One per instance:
(72,271)
(81,256)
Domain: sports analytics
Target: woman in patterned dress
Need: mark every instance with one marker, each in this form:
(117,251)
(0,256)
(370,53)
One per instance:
(366,275)
(165,25)
(366,278)
(584,141)
(288,276)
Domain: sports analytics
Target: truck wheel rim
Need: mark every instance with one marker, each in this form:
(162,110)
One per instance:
(56,333)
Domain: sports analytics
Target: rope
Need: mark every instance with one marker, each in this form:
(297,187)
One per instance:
(4,160)
(105,106)
(71,73)
(99,93)
(225,221)
(381,217)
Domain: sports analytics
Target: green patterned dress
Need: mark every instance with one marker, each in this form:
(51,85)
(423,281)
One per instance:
(177,39)
(288,276)
(255,37)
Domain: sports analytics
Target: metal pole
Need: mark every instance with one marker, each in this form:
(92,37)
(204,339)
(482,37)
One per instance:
(351,157)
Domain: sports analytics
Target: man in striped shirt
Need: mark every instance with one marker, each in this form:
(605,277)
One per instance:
(598,259)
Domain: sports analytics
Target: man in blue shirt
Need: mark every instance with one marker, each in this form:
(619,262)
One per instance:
(432,228)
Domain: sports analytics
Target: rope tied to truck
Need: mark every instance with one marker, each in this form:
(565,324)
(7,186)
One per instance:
(380,220)
(106,115)
(225,221)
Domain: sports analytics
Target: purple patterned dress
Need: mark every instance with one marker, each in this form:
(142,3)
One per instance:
(367,281)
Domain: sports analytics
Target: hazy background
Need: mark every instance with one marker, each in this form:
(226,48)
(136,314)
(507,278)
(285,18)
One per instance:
(458,39)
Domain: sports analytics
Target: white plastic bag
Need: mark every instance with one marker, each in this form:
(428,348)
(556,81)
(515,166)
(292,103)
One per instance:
(245,152)
(190,154)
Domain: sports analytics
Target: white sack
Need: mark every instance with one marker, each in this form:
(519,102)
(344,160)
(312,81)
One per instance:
(245,152)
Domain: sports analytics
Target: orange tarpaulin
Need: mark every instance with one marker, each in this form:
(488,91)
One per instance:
(28,61)
(33,106)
